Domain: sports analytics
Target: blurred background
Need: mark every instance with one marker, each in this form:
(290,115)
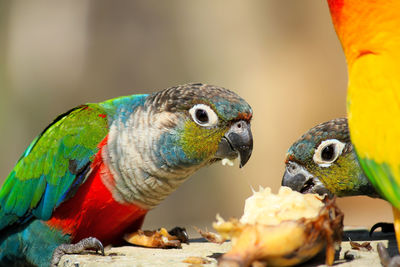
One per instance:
(283,57)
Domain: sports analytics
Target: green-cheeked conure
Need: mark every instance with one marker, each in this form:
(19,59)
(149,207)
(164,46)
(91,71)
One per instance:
(323,161)
(93,174)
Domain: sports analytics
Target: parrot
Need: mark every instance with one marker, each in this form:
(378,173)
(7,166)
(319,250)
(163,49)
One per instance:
(96,170)
(369,31)
(323,161)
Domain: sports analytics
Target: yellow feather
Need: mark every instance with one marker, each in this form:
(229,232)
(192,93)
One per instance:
(369,31)
(374,108)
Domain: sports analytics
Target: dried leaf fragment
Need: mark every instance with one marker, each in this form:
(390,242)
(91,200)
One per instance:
(365,246)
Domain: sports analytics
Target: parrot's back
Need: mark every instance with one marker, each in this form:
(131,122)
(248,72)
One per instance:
(53,165)
(43,200)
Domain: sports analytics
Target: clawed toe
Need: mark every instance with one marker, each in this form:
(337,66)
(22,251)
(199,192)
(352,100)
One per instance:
(87,243)
(386,260)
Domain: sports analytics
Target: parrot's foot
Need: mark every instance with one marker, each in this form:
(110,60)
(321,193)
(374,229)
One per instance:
(158,239)
(386,260)
(386,228)
(87,243)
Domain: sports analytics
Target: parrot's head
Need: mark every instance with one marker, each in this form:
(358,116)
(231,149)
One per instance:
(323,161)
(202,124)
(156,141)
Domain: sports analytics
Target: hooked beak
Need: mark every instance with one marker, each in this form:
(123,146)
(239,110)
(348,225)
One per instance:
(299,179)
(238,141)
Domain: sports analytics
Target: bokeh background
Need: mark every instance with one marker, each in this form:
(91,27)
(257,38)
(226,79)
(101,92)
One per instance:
(283,57)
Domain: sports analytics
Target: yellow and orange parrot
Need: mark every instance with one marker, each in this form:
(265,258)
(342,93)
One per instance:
(369,31)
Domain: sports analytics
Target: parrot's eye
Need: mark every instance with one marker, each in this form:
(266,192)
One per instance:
(327,152)
(203,115)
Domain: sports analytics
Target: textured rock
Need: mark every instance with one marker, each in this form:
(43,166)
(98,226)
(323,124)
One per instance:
(146,257)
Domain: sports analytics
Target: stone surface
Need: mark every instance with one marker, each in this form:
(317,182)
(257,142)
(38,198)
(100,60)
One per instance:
(146,257)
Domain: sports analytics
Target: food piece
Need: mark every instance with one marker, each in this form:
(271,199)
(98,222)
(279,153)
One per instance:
(210,236)
(227,162)
(196,260)
(153,239)
(266,208)
(282,230)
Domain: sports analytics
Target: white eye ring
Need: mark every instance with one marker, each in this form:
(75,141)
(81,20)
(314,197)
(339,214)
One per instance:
(203,115)
(327,152)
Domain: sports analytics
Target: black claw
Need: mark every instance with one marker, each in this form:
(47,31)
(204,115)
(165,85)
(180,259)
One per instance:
(91,243)
(386,228)
(180,233)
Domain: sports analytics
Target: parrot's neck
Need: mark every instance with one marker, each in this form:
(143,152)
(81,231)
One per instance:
(142,172)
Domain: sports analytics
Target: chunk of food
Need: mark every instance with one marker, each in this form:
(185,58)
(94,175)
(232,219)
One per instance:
(210,236)
(196,260)
(153,239)
(282,230)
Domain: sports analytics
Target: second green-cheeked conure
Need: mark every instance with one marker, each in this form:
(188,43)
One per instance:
(323,161)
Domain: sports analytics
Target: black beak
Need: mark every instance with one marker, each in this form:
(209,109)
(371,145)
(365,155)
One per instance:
(238,141)
(293,178)
(299,179)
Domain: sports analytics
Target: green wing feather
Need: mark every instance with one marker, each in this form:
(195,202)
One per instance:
(52,165)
